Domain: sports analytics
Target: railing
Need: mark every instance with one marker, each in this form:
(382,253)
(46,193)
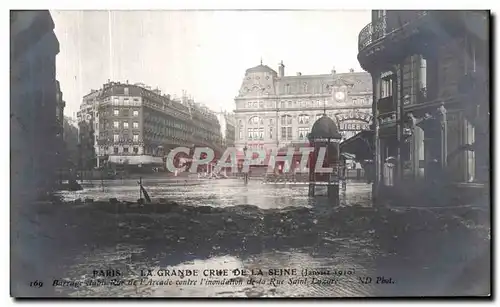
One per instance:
(378,29)
(372,32)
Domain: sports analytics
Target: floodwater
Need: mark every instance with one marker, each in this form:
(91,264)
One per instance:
(226,225)
(218,193)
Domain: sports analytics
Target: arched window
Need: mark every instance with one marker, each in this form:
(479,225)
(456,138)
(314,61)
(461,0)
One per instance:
(303,119)
(286,120)
(255,121)
(255,131)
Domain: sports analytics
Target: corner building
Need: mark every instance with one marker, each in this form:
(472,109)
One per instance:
(275,110)
(430,72)
(135,125)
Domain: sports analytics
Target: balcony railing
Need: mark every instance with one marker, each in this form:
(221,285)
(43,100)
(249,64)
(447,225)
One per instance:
(379,28)
(372,32)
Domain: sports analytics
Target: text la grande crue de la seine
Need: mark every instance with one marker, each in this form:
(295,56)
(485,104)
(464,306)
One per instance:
(242,272)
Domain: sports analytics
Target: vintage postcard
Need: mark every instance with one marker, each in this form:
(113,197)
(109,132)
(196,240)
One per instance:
(250,153)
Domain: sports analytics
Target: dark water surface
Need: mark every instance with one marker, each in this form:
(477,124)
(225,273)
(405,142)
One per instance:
(223,224)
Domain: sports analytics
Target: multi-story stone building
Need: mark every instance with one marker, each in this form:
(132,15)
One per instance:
(33,104)
(275,110)
(430,72)
(136,125)
(227,126)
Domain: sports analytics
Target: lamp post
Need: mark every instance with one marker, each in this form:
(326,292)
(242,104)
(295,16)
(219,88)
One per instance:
(245,174)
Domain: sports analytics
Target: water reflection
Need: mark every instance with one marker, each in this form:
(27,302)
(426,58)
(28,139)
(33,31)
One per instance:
(220,193)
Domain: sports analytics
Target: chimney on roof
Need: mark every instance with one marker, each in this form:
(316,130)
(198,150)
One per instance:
(281,70)
(299,74)
(351,70)
(334,71)
(127,81)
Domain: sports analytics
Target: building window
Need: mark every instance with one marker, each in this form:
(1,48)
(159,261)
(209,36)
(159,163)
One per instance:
(250,133)
(386,88)
(422,78)
(249,104)
(116,112)
(116,100)
(136,138)
(125,125)
(303,119)
(136,150)
(261,104)
(115,150)
(286,133)
(303,133)
(255,104)
(361,100)
(305,87)
(354,101)
(125,90)
(125,149)
(116,138)
(116,124)
(135,113)
(271,122)
(135,125)
(290,104)
(271,132)
(261,133)
(286,120)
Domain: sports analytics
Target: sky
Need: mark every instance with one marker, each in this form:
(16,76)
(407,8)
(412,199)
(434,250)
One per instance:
(205,53)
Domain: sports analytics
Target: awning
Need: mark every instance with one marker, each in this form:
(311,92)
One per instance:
(135,160)
(360,145)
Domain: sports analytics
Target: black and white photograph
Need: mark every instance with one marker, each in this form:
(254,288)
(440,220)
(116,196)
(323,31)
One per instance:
(250,153)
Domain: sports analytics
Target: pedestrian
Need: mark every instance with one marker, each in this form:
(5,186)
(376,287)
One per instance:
(358,170)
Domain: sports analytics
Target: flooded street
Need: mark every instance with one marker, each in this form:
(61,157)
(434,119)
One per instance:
(218,193)
(226,225)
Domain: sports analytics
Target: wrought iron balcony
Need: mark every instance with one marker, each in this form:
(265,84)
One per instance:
(381,27)
(372,32)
